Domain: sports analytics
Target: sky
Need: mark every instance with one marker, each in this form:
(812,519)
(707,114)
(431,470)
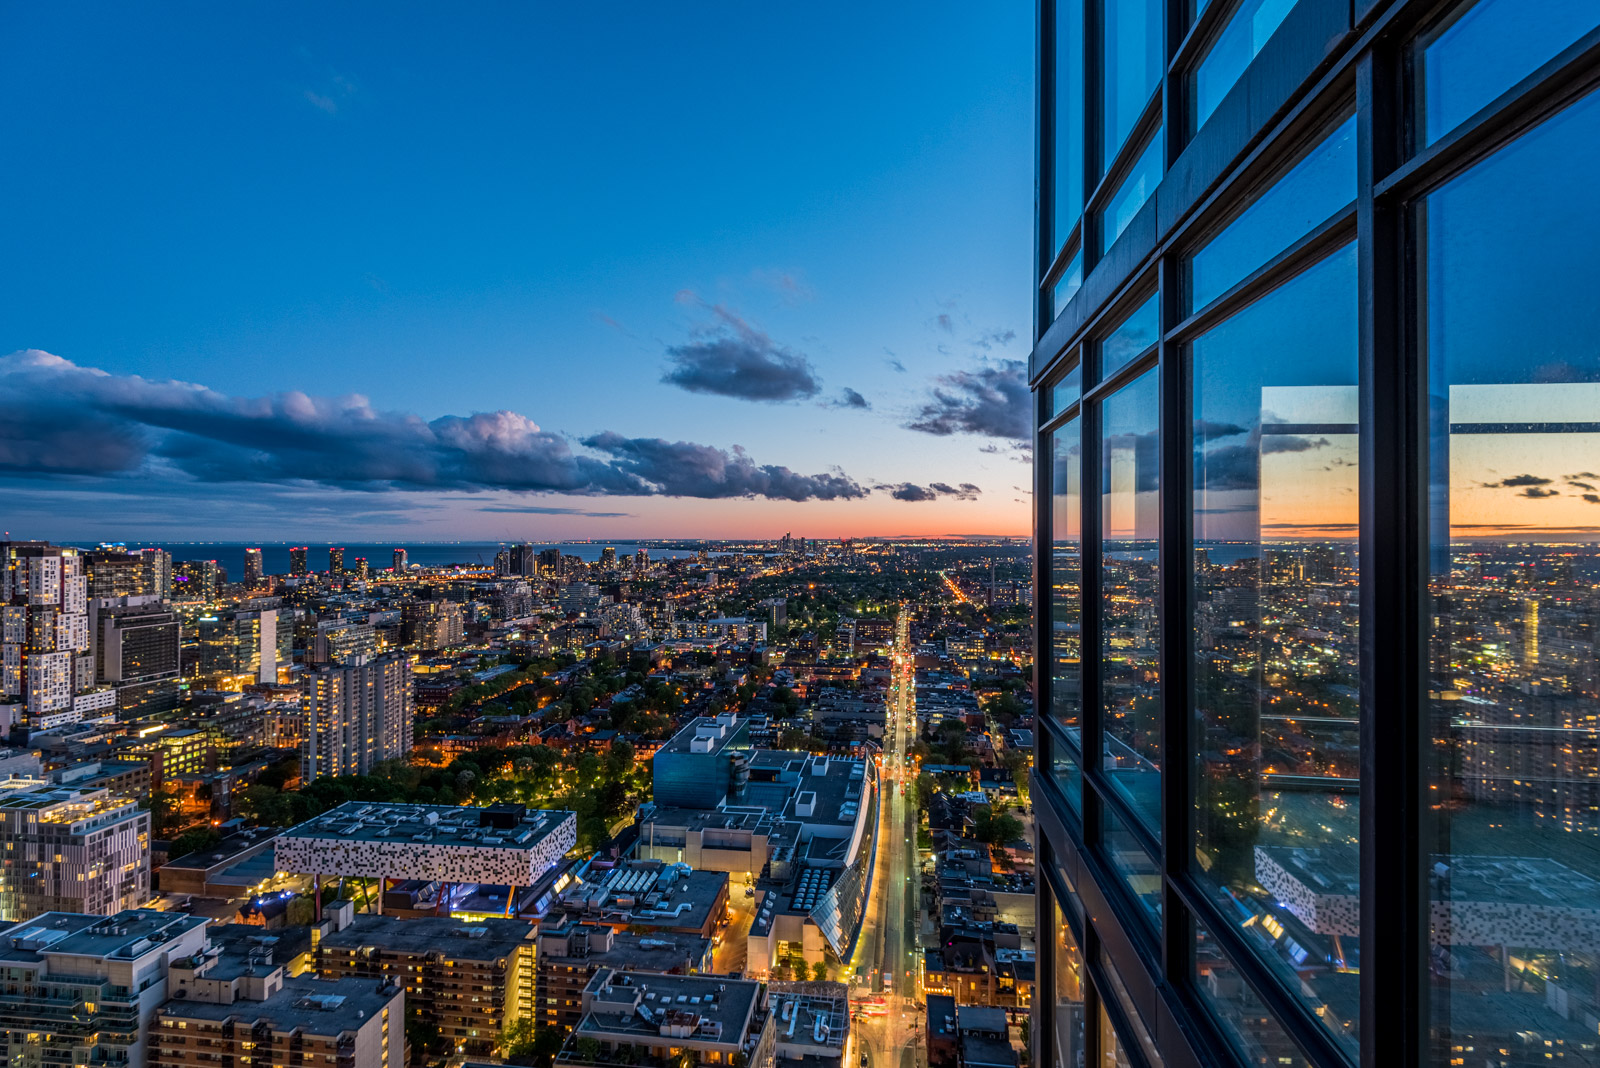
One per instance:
(501,272)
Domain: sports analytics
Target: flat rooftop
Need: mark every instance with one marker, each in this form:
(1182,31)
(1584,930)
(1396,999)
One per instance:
(487,939)
(650,894)
(719,730)
(633,1006)
(397,822)
(316,1006)
(126,936)
(798,1012)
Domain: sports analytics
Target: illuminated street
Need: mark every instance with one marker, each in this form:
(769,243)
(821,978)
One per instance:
(885,962)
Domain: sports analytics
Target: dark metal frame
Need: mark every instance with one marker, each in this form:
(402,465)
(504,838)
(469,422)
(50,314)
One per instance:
(1326,54)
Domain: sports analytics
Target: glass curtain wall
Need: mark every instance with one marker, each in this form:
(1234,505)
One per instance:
(1320,534)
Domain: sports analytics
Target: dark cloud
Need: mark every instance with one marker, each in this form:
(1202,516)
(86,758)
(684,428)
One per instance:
(991,400)
(59,419)
(1205,429)
(731,358)
(849,398)
(684,469)
(1581,485)
(1290,443)
(895,365)
(1592,498)
(1519,480)
(1537,494)
(910,491)
(1586,474)
(533,509)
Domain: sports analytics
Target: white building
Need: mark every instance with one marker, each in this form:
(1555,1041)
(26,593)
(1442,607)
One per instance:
(68,850)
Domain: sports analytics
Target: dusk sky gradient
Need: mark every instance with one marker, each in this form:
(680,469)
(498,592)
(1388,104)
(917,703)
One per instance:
(699,250)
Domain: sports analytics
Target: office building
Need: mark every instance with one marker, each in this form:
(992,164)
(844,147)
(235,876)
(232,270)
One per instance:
(253,571)
(570,953)
(65,849)
(335,562)
(401,561)
(1312,375)
(297,561)
(356,715)
(243,1011)
(608,558)
(470,981)
(84,989)
(251,645)
(551,563)
(688,1020)
(113,573)
(137,644)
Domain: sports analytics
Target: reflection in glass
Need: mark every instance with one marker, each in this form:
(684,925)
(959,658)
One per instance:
(1137,868)
(1513,685)
(1069,120)
(1065,390)
(1068,775)
(1274,601)
(1111,1054)
(1252,1029)
(1068,1011)
(1066,571)
(1135,189)
(1130,639)
(1141,1033)
(1132,338)
(1241,39)
(1323,182)
(1070,282)
(1131,58)
(1485,49)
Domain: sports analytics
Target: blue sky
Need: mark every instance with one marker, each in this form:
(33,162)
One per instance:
(540,209)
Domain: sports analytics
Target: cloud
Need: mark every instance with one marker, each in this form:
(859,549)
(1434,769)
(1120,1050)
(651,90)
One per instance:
(790,286)
(60,419)
(533,509)
(1519,480)
(1205,429)
(893,362)
(684,469)
(1290,443)
(999,337)
(910,491)
(1581,485)
(731,358)
(322,103)
(991,400)
(1537,494)
(944,322)
(849,398)
(1592,498)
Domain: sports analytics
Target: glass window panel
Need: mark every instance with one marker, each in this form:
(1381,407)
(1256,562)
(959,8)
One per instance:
(1137,868)
(1066,572)
(1068,285)
(1066,389)
(1323,182)
(1254,1031)
(1513,688)
(1131,58)
(1245,35)
(1141,1033)
(1485,49)
(1069,120)
(1274,609)
(1130,635)
(1067,774)
(1067,1015)
(1135,189)
(1132,338)
(1111,1053)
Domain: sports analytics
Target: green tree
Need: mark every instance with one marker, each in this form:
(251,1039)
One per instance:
(194,841)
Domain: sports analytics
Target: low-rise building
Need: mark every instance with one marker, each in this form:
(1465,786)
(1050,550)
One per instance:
(570,953)
(688,1020)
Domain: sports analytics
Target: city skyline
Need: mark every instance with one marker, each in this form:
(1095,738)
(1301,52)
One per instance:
(472,264)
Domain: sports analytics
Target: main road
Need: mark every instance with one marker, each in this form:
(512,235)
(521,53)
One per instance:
(885,964)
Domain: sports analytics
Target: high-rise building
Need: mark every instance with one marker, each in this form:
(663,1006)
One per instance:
(197,581)
(84,989)
(70,850)
(157,565)
(356,715)
(253,571)
(248,644)
(551,563)
(401,560)
(361,568)
(608,558)
(336,562)
(432,625)
(297,561)
(113,573)
(46,663)
(1317,778)
(641,559)
(136,644)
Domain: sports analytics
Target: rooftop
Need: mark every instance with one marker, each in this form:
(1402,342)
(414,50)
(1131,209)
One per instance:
(640,1008)
(128,935)
(316,1006)
(487,939)
(704,734)
(498,826)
